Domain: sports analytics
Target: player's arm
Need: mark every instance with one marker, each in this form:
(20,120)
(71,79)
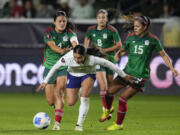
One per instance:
(56,49)
(166,59)
(115,47)
(110,65)
(86,42)
(59,63)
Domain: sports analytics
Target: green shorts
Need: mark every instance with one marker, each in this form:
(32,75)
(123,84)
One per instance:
(62,72)
(104,69)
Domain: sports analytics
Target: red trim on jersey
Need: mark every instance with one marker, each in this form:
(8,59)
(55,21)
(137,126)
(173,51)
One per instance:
(130,34)
(111,28)
(69,31)
(49,29)
(44,56)
(92,27)
(153,36)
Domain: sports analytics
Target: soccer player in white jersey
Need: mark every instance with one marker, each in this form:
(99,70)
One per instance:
(81,64)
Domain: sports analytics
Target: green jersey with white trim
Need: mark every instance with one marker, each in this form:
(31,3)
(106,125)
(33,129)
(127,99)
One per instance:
(140,51)
(104,38)
(62,40)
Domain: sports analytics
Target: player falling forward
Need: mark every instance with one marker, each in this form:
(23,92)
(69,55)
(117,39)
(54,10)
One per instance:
(81,64)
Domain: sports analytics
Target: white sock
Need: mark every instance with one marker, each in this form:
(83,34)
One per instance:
(83,109)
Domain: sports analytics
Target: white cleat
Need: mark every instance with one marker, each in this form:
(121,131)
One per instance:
(56,126)
(78,128)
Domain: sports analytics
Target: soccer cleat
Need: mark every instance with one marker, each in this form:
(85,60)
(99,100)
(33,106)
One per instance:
(56,126)
(78,128)
(107,114)
(114,127)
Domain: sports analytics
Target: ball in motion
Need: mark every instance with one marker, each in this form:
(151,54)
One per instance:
(41,120)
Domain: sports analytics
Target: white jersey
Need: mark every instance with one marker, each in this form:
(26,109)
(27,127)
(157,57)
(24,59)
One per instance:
(88,67)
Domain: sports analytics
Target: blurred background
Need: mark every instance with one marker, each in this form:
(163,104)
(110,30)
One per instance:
(22,23)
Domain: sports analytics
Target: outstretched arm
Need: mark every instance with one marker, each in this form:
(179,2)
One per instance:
(168,62)
(112,66)
(50,74)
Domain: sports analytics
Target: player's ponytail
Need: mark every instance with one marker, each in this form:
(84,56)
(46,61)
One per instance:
(129,25)
(80,49)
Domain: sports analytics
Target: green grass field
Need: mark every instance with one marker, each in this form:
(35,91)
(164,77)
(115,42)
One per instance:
(147,115)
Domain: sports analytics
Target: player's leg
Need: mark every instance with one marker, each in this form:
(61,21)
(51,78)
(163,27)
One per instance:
(102,81)
(109,97)
(71,96)
(72,87)
(122,108)
(86,86)
(49,89)
(59,100)
(129,92)
(49,92)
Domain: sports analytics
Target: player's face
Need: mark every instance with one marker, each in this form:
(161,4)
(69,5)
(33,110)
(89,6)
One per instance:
(102,19)
(79,58)
(60,23)
(139,29)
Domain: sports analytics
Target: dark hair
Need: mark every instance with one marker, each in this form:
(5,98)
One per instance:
(80,49)
(111,13)
(129,26)
(69,24)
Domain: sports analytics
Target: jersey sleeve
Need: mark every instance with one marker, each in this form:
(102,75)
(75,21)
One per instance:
(158,46)
(116,36)
(110,65)
(73,37)
(88,34)
(125,46)
(63,61)
(47,37)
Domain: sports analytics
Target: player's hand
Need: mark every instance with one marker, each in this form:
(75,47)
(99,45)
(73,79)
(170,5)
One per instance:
(41,87)
(67,49)
(116,57)
(130,79)
(103,51)
(175,73)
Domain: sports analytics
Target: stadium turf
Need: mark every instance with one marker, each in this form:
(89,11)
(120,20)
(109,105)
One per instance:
(147,115)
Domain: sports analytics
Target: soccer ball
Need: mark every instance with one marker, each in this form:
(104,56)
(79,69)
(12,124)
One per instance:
(41,120)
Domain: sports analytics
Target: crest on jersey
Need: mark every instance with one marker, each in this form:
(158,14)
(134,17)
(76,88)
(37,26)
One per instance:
(48,36)
(94,35)
(65,38)
(104,35)
(146,42)
(54,38)
(63,60)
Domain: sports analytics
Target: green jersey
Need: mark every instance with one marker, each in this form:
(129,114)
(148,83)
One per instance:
(104,38)
(62,40)
(140,51)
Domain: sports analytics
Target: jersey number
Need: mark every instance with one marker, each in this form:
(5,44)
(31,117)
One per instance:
(138,49)
(99,42)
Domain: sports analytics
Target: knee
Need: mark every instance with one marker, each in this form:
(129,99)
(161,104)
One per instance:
(70,103)
(103,87)
(50,101)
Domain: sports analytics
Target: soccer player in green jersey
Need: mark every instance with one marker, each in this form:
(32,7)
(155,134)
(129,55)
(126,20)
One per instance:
(140,44)
(107,39)
(59,39)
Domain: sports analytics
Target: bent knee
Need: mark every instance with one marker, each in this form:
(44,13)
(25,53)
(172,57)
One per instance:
(50,101)
(70,103)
